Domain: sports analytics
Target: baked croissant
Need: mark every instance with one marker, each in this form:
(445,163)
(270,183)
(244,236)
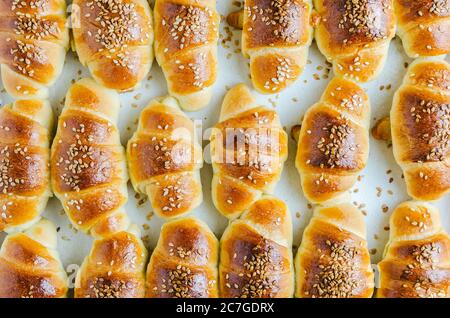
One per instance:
(276,37)
(115,267)
(33,44)
(416,263)
(186,35)
(88,167)
(25,128)
(420,127)
(165,158)
(184,262)
(30,266)
(424,26)
(333,145)
(256,253)
(333,260)
(248,150)
(114,39)
(355,35)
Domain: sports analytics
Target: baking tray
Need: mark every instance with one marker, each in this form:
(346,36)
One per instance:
(380,186)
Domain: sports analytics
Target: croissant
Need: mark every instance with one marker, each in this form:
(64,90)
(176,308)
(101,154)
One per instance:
(333,145)
(333,260)
(25,128)
(30,266)
(33,43)
(114,39)
(355,35)
(184,262)
(248,150)
(424,26)
(186,35)
(88,167)
(165,158)
(256,253)
(115,267)
(420,127)
(276,37)
(417,257)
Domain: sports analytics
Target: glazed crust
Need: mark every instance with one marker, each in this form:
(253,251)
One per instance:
(184,262)
(355,35)
(424,26)
(420,129)
(165,158)
(416,263)
(115,267)
(333,260)
(333,145)
(248,150)
(30,265)
(88,164)
(186,35)
(276,37)
(256,257)
(33,44)
(25,128)
(114,40)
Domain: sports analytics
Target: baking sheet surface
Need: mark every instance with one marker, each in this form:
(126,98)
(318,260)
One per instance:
(379,189)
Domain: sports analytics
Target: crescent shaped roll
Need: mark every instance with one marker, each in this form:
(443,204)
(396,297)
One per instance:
(25,129)
(184,262)
(420,128)
(355,35)
(333,260)
(333,145)
(34,40)
(248,151)
(30,266)
(88,164)
(256,253)
(416,262)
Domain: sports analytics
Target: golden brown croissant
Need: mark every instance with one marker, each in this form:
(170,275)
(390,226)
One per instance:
(256,253)
(355,35)
(186,35)
(115,267)
(88,165)
(333,145)
(333,260)
(114,39)
(420,126)
(416,261)
(25,128)
(184,262)
(276,35)
(30,266)
(33,44)
(165,158)
(248,150)
(424,26)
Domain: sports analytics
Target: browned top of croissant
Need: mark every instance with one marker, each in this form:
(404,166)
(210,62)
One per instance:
(422,11)
(261,138)
(333,260)
(80,165)
(417,257)
(276,23)
(185,25)
(29,267)
(114,269)
(183,264)
(356,23)
(30,32)
(256,258)
(110,31)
